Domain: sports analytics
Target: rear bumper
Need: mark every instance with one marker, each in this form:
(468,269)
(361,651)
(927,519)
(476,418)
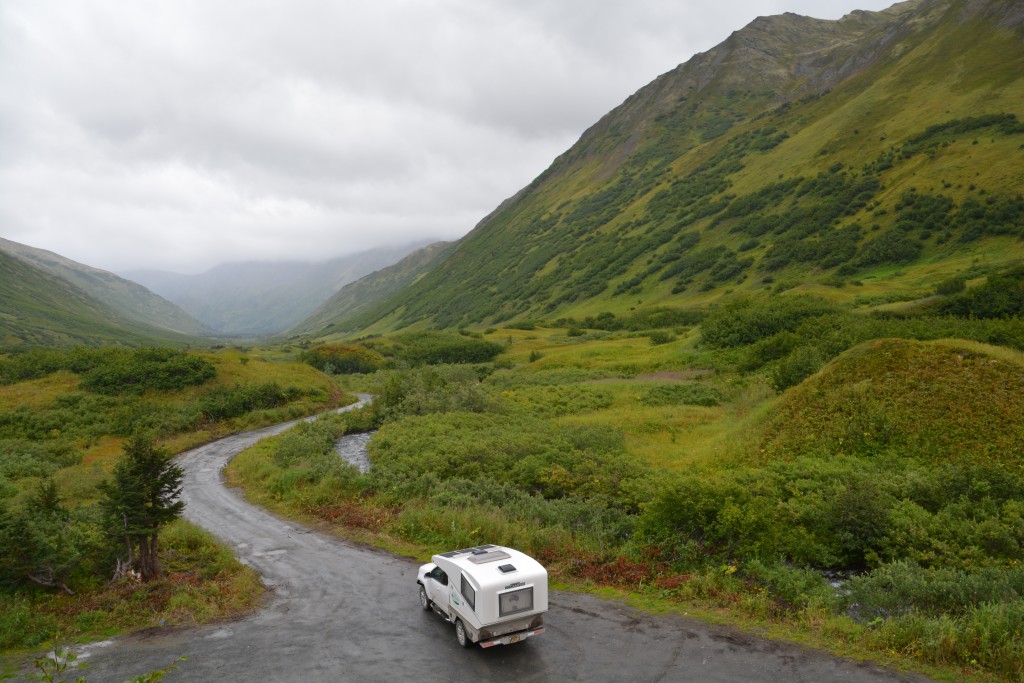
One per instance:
(514,637)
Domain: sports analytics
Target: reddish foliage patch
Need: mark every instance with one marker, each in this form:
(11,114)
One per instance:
(352,514)
(617,571)
(672,581)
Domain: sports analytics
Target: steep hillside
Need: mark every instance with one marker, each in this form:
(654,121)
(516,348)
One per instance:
(370,291)
(41,309)
(867,158)
(126,297)
(264,298)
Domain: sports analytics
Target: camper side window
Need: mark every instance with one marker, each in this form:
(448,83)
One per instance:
(437,574)
(468,592)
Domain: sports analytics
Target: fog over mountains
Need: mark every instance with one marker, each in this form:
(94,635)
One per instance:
(256,299)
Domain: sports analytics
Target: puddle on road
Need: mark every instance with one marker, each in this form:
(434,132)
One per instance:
(352,447)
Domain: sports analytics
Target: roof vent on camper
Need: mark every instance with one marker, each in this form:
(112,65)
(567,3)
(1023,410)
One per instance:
(506,568)
(489,556)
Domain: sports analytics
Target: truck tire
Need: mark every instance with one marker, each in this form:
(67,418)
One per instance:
(461,635)
(424,600)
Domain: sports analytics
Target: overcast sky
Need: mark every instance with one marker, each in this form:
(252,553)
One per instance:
(182,134)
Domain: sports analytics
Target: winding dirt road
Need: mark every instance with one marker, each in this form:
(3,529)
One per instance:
(340,612)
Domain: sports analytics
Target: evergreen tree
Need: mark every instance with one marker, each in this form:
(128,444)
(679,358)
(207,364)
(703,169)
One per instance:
(141,497)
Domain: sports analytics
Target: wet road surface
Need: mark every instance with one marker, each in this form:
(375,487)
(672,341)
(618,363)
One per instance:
(341,612)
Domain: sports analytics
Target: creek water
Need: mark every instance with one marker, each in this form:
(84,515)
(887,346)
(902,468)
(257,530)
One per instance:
(352,447)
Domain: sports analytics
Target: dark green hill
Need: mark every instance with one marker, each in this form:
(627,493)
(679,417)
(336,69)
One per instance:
(868,158)
(123,296)
(41,309)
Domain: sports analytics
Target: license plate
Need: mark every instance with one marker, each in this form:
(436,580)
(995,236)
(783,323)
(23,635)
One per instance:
(514,639)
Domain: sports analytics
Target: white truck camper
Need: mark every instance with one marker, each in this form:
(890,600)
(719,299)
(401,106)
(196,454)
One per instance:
(494,595)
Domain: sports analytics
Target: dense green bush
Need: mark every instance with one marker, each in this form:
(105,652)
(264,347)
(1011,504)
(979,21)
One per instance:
(22,458)
(532,454)
(903,587)
(139,370)
(305,442)
(742,321)
(436,348)
(50,545)
(343,358)
(428,390)
(690,393)
(798,365)
(222,403)
(554,401)
(1001,296)
(845,512)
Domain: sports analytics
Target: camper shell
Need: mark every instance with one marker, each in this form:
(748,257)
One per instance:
(494,595)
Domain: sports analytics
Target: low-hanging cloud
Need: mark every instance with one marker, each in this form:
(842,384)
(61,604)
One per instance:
(181,135)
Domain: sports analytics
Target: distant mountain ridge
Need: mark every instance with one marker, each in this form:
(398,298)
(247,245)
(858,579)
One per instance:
(882,151)
(38,308)
(367,292)
(123,296)
(253,299)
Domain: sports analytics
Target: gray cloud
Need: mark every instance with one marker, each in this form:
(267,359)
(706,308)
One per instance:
(181,135)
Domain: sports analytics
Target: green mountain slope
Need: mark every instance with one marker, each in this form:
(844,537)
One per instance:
(41,309)
(867,158)
(127,298)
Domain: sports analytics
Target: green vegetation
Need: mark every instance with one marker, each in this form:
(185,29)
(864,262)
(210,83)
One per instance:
(74,512)
(673,470)
(902,175)
(751,343)
(139,499)
(42,309)
(342,358)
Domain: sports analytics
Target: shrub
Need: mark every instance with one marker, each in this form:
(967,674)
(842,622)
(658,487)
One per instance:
(1002,296)
(438,348)
(222,403)
(800,364)
(953,285)
(421,391)
(742,321)
(134,372)
(902,587)
(343,359)
(692,394)
(659,337)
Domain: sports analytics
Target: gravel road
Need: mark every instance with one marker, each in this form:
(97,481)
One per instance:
(341,612)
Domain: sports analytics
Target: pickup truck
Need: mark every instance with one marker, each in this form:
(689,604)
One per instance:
(494,595)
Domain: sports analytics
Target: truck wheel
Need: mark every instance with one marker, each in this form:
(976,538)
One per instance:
(461,635)
(424,600)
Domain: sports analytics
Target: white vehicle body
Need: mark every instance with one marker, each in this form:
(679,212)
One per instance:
(494,595)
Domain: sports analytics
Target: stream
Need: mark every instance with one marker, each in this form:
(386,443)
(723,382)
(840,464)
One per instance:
(352,447)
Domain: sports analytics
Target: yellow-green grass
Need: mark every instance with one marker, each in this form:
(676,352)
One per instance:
(678,437)
(673,437)
(625,353)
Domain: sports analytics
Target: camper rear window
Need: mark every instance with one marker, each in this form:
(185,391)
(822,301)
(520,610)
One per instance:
(515,601)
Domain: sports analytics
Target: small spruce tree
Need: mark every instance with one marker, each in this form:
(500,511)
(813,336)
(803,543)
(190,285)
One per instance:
(141,497)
